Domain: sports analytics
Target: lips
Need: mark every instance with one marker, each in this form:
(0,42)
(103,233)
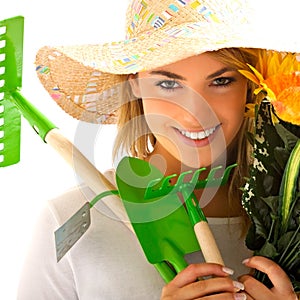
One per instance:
(198,139)
(198,135)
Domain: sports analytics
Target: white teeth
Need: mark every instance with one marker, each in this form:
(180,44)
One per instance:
(198,135)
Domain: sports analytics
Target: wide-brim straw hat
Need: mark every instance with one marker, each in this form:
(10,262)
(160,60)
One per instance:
(85,80)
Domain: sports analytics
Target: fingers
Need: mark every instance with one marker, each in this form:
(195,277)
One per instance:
(282,287)
(195,271)
(254,288)
(278,277)
(207,287)
(186,286)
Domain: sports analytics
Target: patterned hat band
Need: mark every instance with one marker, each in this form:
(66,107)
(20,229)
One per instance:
(84,79)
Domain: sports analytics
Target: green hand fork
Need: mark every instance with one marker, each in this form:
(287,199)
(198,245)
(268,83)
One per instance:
(167,231)
(166,226)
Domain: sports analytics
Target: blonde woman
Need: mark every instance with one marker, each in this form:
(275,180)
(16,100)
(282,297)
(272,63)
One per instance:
(180,107)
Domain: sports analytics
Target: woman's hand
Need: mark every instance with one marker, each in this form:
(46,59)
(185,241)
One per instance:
(282,287)
(219,287)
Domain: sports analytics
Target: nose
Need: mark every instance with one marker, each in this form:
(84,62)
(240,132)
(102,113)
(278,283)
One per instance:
(196,110)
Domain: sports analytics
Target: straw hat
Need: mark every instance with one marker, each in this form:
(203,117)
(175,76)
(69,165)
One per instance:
(85,80)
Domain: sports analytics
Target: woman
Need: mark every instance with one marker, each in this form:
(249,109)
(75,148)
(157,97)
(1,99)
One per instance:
(183,104)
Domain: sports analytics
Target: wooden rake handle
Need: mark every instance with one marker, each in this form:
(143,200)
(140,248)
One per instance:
(87,172)
(207,243)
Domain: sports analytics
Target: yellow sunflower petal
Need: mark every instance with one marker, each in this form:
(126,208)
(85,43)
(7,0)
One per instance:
(271,95)
(256,73)
(250,76)
(273,65)
(289,64)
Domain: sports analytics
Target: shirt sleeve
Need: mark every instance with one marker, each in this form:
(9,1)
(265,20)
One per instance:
(42,276)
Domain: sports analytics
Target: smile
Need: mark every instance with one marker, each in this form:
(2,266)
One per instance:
(198,135)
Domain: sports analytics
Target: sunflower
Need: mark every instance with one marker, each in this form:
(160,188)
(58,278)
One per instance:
(278,76)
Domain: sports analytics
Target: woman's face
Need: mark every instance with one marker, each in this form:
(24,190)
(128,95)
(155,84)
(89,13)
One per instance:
(194,107)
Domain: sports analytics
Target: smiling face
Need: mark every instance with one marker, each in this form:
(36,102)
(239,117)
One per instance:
(194,107)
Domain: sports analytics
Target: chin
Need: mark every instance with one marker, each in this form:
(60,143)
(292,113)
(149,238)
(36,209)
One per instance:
(202,159)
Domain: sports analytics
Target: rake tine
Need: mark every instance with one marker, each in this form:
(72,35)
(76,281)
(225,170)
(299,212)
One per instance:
(158,187)
(180,180)
(161,187)
(196,175)
(227,173)
(210,180)
(211,174)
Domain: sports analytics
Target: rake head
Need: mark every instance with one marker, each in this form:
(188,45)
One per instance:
(162,186)
(11,49)
(12,102)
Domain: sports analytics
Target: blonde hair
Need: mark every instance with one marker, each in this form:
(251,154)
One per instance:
(137,140)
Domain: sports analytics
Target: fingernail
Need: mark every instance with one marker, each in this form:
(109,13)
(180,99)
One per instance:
(240,297)
(245,261)
(227,270)
(238,285)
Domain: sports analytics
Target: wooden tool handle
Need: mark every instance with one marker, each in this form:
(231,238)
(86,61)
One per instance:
(207,243)
(87,172)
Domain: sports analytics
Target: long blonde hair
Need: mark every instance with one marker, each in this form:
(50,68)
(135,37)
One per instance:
(138,141)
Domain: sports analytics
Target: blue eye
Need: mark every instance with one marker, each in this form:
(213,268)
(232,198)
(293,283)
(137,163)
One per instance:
(223,81)
(168,84)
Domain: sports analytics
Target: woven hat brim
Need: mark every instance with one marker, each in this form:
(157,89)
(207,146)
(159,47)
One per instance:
(85,80)
(81,91)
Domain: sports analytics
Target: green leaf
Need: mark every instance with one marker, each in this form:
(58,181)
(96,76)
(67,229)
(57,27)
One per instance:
(289,183)
(285,241)
(267,250)
(254,241)
(281,156)
(272,202)
(287,137)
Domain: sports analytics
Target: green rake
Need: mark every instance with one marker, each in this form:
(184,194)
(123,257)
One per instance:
(13,105)
(12,102)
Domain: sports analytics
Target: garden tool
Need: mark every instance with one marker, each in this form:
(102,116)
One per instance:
(13,104)
(167,226)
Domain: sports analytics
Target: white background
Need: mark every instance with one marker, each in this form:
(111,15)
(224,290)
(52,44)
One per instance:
(42,173)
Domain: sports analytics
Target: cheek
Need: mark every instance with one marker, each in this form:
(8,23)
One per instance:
(234,104)
(232,116)
(156,106)
(160,110)
(235,112)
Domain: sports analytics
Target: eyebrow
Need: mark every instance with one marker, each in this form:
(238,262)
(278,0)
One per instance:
(168,74)
(179,77)
(220,72)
